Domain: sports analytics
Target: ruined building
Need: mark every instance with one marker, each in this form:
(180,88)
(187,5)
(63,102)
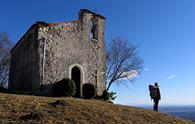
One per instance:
(47,53)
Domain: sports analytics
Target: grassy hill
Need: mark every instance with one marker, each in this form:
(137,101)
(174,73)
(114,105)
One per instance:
(19,109)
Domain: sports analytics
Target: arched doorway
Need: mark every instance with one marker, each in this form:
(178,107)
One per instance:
(76,76)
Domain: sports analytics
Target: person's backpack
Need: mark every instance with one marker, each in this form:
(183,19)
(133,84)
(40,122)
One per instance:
(153,92)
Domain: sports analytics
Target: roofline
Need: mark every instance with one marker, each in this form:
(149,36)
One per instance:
(96,14)
(44,24)
(40,24)
(58,23)
(34,25)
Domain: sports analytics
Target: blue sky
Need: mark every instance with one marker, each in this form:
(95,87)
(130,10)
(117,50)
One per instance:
(165,29)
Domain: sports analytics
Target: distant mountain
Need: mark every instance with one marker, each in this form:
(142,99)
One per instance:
(185,111)
(182,111)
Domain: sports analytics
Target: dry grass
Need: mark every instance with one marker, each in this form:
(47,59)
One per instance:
(19,109)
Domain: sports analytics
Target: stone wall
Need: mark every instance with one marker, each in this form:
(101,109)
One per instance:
(59,49)
(24,74)
(96,54)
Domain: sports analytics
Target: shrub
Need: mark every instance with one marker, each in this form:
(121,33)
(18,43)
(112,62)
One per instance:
(105,95)
(3,89)
(89,91)
(65,87)
(108,95)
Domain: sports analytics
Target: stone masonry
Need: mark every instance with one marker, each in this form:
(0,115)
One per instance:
(47,53)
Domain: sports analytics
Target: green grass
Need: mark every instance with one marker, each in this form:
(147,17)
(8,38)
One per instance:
(21,109)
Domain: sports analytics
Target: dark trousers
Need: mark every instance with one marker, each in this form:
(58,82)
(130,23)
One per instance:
(156,101)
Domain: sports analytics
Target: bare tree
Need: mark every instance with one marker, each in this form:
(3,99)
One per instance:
(5,47)
(122,61)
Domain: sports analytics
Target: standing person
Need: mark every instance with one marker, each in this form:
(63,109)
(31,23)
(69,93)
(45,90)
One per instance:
(157,98)
(155,95)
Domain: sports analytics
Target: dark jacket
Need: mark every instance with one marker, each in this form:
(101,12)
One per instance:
(158,92)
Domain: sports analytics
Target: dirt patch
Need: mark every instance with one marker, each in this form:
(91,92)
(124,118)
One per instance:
(32,116)
(58,103)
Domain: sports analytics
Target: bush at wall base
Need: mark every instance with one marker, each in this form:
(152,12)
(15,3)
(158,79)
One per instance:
(89,91)
(65,87)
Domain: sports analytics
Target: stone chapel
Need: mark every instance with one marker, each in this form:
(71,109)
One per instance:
(49,52)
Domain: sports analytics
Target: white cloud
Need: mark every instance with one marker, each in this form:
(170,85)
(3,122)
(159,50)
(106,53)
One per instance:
(129,75)
(171,77)
(146,69)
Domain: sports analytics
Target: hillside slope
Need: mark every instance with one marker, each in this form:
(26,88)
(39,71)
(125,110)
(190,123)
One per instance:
(31,109)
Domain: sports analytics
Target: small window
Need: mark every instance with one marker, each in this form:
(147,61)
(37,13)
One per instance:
(92,30)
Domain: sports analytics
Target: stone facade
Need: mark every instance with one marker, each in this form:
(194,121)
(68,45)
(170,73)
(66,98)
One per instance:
(47,53)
